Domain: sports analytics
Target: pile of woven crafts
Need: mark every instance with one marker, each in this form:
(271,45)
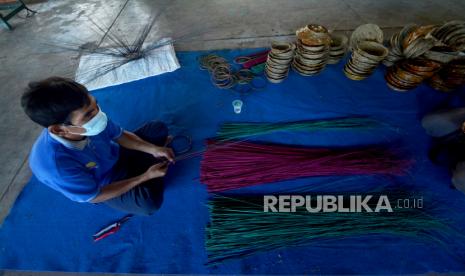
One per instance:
(314,47)
(408,74)
(367,52)
(312,52)
(432,53)
(338,48)
(278,61)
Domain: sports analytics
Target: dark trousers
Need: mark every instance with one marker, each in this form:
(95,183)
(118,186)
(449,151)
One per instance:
(449,146)
(147,197)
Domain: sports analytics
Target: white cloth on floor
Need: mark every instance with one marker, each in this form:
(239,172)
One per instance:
(156,62)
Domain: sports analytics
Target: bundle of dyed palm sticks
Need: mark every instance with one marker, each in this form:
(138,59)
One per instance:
(236,164)
(241,130)
(239,227)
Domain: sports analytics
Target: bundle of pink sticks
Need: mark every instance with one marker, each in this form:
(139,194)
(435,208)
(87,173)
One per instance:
(233,165)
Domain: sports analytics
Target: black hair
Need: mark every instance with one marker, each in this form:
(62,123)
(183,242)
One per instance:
(51,101)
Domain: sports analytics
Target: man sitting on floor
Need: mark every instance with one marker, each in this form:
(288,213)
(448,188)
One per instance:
(87,157)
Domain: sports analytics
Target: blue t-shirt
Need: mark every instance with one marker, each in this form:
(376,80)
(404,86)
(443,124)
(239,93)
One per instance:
(76,172)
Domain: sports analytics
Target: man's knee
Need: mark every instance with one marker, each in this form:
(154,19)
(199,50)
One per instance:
(143,200)
(441,123)
(154,132)
(436,125)
(148,210)
(152,201)
(149,206)
(155,126)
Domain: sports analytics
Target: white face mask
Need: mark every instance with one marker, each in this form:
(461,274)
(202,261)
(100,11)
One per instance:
(95,125)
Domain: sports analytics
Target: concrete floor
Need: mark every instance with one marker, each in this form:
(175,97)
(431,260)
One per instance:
(29,52)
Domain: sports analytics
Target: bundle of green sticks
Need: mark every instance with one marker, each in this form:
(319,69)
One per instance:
(240,227)
(229,131)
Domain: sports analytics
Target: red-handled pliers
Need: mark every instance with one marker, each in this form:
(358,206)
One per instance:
(110,229)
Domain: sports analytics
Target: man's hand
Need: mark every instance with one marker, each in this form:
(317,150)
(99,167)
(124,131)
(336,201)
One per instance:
(463,126)
(118,188)
(162,152)
(131,141)
(157,170)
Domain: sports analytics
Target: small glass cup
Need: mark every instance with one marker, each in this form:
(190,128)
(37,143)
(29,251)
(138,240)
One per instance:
(237,105)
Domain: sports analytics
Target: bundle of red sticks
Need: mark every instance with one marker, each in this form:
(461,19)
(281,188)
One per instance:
(233,165)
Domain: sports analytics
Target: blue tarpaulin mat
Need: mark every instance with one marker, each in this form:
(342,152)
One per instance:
(47,232)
